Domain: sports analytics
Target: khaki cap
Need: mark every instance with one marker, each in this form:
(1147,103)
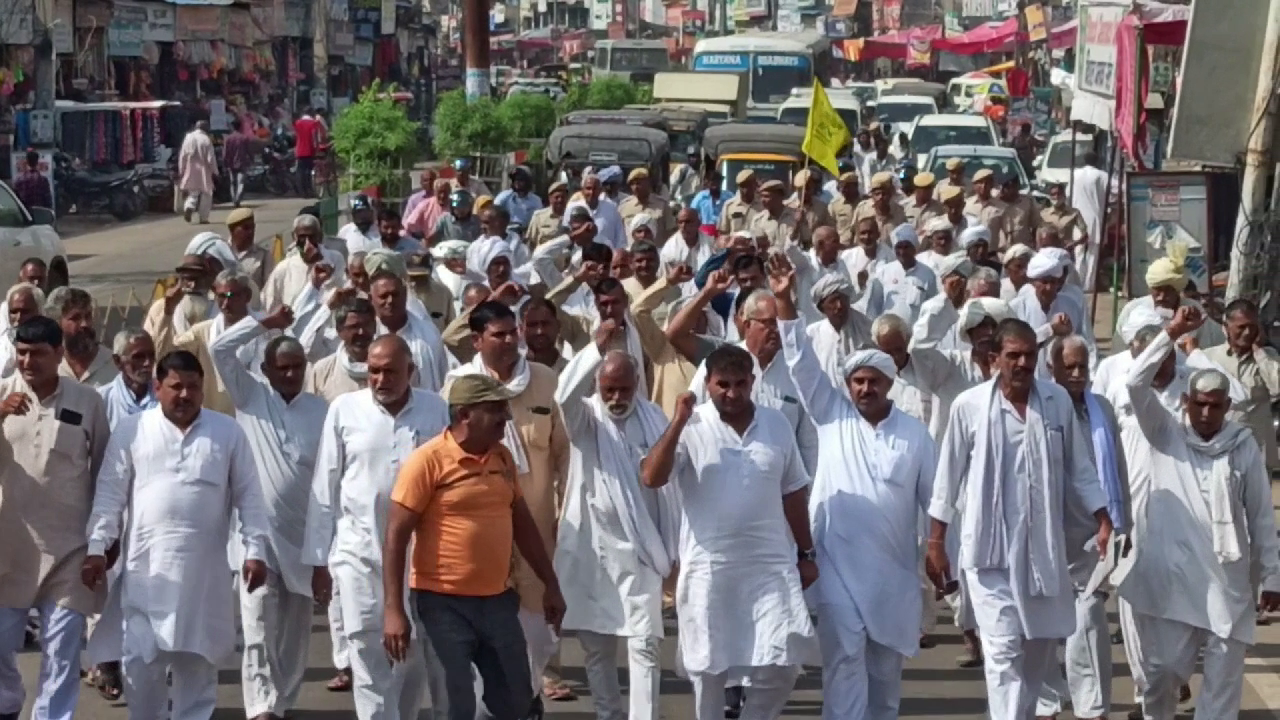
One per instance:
(638,174)
(473,389)
(773,185)
(951,192)
(882,180)
(557,185)
(924,179)
(846,177)
(801,178)
(745,176)
(983,174)
(955,163)
(238,216)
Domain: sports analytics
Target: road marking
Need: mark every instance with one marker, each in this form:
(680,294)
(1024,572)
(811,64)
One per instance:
(1265,684)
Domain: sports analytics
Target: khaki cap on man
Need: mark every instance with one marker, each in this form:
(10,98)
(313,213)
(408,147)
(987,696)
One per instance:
(801,178)
(558,185)
(474,389)
(238,216)
(745,176)
(954,164)
(983,174)
(846,177)
(638,174)
(882,180)
(923,180)
(951,192)
(773,185)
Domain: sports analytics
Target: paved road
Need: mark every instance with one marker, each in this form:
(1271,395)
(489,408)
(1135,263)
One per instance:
(113,260)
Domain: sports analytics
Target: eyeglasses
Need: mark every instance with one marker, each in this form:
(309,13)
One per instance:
(225,295)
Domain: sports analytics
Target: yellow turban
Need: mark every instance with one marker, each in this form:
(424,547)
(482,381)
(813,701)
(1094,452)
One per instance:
(1170,270)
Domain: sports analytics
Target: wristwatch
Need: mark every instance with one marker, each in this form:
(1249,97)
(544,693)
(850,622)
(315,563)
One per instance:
(811,555)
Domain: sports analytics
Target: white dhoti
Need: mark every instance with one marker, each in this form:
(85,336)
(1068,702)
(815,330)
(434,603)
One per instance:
(1132,648)
(381,691)
(106,630)
(860,677)
(770,688)
(1084,680)
(643,667)
(337,635)
(199,203)
(541,641)
(277,634)
(1171,649)
(1086,257)
(1014,665)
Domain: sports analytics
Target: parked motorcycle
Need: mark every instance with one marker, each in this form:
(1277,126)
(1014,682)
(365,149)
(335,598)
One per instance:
(280,175)
(119,194)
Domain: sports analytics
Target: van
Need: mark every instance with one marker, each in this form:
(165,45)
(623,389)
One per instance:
(795,109)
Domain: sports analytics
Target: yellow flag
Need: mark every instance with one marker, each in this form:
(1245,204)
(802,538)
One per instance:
(825,133)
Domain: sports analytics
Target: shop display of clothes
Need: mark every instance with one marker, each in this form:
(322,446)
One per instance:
(115,137)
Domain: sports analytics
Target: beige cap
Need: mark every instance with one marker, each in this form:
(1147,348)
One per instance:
(924,179)
(882,180)
(238,216)
(801,178)
(773,185)
(954,163)
(983,174)
(384,260)
(745,176)
(558,185)
(638,174)
(473,389)
(951,192)
(848,176)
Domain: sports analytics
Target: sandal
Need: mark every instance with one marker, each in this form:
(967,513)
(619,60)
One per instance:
(109,683)
(340,682)
(969,659)
(557,691)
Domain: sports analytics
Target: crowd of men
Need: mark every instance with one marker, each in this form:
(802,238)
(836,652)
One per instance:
(798,423)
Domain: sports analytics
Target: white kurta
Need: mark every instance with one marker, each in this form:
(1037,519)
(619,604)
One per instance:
(1207,335)
(179,489)
(1089,188)
(738,600)
(284,437)
(833,345)
(868,491)
(1173,530)
(1034,513)
(616,538)
(293,275)
(357,241)
(1026,307)
(773,388)
(895,289)
(430,358)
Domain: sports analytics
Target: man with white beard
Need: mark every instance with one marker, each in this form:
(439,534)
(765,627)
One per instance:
(308,261)
(742,486)
(865,518)
(367,436)
(1087,683)
(1048,310)
(1013,443)
(1207,524)
(178,471)
(283,425)
(616,538)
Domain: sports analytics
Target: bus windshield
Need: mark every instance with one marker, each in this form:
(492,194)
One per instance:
(628,59)
(773,77)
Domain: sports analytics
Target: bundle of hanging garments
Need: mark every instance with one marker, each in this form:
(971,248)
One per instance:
(113,137)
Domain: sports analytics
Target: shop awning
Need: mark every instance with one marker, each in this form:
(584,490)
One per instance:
(894,45)
(985,38)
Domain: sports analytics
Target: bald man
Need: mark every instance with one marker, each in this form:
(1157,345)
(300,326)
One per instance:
(366,437)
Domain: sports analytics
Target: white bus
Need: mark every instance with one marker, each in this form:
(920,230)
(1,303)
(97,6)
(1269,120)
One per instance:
(773,62)
(635,61)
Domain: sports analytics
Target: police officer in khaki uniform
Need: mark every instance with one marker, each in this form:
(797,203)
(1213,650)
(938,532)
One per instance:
(952,198)
(1021,216)
(845,206)
(881,206)
(738,210)
(984,206)
(642,200)
(954,178)
(920,206)
(546,223)
(813,213)
(1065,219)
(777,222)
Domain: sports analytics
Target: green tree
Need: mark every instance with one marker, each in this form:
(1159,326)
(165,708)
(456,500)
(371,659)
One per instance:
(375,141)
(610,94)
(528,115)
(463,129)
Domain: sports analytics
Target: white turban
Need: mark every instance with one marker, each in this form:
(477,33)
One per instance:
(450,250)
(613,173)
(974,234)
(938,224)
(639,221)
(211,244)
(1016,251)
(1141,316)
(1044,265)
(715,323)
(980,308)
(484,251)
(871,358)
(831,282)
(957,262)
(1061,256)
(904,233)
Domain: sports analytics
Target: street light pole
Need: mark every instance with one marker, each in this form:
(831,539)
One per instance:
(475,43)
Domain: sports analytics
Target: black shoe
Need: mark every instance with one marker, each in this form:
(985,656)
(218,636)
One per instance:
(9,716)
(1117,638)
(535,709)
(733,700)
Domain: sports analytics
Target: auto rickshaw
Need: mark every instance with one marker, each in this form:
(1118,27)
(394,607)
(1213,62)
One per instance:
(772,151)
(638,118)
(571,149)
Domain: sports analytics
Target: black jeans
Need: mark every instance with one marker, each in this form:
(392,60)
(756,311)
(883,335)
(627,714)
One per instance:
(305,166)
(480,631)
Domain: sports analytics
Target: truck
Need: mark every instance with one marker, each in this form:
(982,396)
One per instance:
(722,95)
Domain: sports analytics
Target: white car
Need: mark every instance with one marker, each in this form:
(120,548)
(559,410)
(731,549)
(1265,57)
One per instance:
(28,233)
(1054,165)
(900,111)
(795,109)
(1002,161)
(930,131)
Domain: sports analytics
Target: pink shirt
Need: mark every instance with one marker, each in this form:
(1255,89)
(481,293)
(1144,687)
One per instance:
(422,219)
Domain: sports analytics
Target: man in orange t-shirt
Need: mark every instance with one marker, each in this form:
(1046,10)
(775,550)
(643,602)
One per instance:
(456,497)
